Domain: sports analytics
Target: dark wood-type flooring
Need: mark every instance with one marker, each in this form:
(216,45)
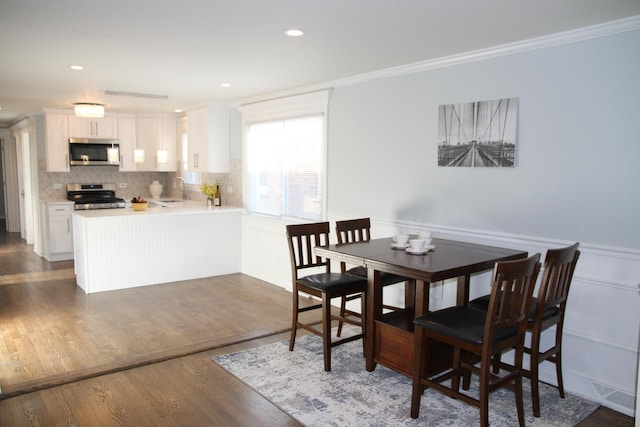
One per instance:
(137,357)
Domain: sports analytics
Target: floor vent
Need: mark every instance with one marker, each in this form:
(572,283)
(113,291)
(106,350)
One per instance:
(624,402)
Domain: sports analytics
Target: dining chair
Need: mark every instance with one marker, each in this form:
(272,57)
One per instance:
(476,335)
(359,230)
(545,311)
(322,284)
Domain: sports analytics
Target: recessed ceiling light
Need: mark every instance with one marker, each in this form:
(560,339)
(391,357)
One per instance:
(76,67)
(225,84)
(177,110)
(294,33)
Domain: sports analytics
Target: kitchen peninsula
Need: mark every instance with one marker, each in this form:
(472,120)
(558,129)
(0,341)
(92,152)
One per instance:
(122,248)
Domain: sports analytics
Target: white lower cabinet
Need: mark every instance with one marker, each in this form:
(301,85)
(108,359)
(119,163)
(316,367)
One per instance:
(58,230)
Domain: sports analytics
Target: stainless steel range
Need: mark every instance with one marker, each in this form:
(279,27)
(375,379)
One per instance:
(94,196)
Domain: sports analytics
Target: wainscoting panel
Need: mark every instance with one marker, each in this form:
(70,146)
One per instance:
(122,252)
(603,317)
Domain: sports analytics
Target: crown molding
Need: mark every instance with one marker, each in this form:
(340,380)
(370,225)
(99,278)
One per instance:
(567,37)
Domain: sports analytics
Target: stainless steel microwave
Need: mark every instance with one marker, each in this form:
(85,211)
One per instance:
(89,152)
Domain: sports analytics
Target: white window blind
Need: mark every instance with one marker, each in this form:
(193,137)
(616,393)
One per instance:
(285,156)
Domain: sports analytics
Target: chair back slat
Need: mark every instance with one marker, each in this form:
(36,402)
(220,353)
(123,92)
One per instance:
(559,266)
(302,238)
(511,291)
(353,230)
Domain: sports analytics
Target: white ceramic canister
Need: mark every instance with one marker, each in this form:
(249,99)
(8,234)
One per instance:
(155,188)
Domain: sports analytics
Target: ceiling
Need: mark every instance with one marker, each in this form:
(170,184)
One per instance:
(184,50)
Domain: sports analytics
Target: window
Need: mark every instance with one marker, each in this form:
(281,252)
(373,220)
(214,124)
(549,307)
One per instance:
(284,163)
(285,157)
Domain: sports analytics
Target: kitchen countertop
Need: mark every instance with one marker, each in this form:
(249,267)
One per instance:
(159,207)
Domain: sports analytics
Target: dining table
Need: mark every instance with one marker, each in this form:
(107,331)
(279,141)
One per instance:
(389,336)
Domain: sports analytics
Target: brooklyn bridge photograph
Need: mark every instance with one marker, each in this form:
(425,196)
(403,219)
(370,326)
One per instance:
(478,134)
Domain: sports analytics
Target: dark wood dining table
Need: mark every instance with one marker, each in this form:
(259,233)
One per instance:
(389,337)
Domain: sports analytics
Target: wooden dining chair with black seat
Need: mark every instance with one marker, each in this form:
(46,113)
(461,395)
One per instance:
(359,230)
(476,335)
(546,310)
(321,283)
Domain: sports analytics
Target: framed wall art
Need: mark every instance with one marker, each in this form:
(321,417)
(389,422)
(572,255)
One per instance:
(478,134)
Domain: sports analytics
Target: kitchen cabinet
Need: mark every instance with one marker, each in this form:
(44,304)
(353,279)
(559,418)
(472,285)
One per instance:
(127,138)
(149,247)
(58,232)
(169,142)
(56,135)
(208,140)
(144,132)
(83,127)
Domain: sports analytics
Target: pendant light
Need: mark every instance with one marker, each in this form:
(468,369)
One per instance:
(138,153)
(113,153)
(162,155)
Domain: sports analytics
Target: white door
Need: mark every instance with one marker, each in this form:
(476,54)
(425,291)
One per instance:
(21,171)
(24,187)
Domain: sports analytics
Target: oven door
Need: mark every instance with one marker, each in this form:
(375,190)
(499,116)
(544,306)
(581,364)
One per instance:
(87,152)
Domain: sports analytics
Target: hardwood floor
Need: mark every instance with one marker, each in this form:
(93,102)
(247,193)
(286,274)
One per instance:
(138,357)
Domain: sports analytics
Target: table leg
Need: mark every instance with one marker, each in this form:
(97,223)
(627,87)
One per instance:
(422,297)
(462,297)
(410,294)
(374,311)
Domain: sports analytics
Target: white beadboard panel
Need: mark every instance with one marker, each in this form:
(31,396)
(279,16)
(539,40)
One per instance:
(129,251)
(603,315)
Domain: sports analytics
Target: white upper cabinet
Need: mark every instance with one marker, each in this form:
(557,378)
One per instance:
(144,133)
(56,141)
(208,139)
(81,127)
(127,137)
(169,142)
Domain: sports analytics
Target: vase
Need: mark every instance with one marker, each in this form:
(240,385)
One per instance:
(155,189)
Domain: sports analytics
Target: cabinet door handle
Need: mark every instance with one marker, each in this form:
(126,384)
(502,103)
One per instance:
(68,225)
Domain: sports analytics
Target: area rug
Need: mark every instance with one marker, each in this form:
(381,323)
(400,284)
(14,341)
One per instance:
(351,396)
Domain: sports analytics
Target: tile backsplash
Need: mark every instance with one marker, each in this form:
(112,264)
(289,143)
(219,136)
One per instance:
(52,185)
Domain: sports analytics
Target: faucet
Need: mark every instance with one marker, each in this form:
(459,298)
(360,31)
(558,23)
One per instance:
(184,192)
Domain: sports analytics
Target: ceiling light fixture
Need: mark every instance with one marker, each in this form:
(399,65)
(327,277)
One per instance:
(76,67)
(87,109)
(294,32)
(225,84)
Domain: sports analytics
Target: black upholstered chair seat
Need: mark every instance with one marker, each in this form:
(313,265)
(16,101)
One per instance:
(334,282)
(462,323)
(385,278)
(482,303)
(324,285)
(559,266)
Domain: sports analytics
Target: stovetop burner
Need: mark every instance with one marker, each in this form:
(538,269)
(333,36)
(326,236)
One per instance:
(94,196)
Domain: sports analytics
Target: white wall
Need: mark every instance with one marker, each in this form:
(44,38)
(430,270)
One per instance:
(575,180)
(577,154)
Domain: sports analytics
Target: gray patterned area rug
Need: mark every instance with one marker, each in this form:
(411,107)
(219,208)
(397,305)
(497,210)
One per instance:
(351,396)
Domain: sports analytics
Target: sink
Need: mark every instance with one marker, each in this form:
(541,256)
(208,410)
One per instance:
(165,202)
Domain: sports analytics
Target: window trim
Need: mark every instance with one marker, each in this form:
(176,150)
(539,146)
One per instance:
(290,107)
